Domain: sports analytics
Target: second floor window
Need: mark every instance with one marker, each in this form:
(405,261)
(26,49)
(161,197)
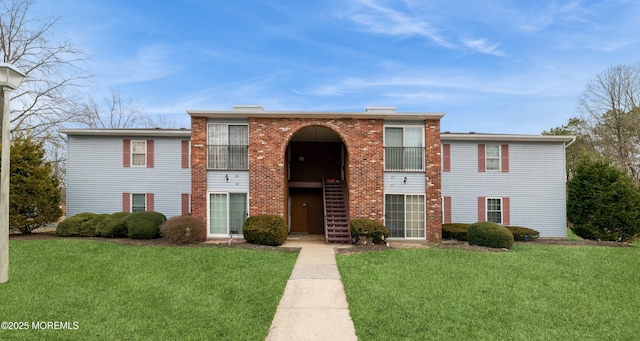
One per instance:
(139,153)
(493,157)
(228,147)
(404,149)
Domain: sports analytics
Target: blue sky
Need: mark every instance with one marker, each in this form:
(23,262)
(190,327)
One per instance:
(494,66)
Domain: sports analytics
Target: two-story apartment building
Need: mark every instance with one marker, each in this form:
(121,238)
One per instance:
(319,170)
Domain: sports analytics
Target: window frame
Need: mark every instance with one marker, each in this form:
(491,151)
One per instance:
(228,213)
(422,229)
(228,157)
(404,167)
(144,163)
(500,210)
(497,159)
(144,207)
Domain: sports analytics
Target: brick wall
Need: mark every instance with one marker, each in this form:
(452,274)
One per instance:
(363,139)
(199,168)
(268,141)
(434,193)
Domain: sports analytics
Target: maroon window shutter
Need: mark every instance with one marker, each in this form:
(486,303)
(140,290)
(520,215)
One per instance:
(149,153)
(506,212)
(482,215)
(505,157)
(446,157)
(185,203)
(447,210)
(481,158)
(149,207)
(126,202)
(126,153)
(185,154)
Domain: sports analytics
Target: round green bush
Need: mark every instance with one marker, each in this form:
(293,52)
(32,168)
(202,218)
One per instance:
(184,229)
(368,228)
(113,226)
(144,225)
(79,225)
(265,229)
(489,234)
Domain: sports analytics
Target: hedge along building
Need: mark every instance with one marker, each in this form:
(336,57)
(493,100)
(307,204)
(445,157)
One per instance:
(317,170)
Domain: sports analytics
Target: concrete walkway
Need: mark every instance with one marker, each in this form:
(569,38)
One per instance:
(314,305)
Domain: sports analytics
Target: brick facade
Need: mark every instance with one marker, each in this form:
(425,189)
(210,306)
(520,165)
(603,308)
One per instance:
(199,168)
(433,198)
(363,140)
(268,140)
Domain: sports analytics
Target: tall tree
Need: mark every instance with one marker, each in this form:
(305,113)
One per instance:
(34,188)
(611,114)
(582,147)
(114,113)
(53,69)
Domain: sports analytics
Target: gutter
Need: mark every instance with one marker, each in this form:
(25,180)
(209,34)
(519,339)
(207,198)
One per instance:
(570,143)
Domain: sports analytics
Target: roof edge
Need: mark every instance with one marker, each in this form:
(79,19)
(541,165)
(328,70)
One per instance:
(375,114)
(505,137)
(127,132)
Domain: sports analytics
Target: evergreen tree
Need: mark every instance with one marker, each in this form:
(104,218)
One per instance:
(603,202)
(34,196)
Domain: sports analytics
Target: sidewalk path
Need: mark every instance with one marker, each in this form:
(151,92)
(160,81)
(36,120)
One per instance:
(314,305)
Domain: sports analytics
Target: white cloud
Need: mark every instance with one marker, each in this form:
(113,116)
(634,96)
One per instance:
(481,45)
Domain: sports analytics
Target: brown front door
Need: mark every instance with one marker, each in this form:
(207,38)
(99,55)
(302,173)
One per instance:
(307,211)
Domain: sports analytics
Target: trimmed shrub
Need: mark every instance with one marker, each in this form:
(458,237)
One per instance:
(144,225)
(265,229)
(113,226)
(77,226)
(523,234)
(489,234)
(368,228)
(457,231)
(184,229)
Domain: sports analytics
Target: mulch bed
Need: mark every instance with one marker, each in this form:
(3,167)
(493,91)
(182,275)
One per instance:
(347,249)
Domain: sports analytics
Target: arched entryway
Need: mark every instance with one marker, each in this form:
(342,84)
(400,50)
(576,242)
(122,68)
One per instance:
(315,156)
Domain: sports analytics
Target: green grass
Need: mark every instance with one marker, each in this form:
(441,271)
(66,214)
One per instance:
(533,292)
(118,292)
(572,236)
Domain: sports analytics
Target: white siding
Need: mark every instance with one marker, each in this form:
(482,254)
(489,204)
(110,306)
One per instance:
(394,182)
(535,185)
(96,178)
(238,181)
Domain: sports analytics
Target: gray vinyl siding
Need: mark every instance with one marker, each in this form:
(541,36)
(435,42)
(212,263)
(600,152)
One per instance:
(394,183)
(238,181)
(96,178)
(535,185)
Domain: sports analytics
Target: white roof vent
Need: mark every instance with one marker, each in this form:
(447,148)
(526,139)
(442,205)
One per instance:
(247,107)
(381,110)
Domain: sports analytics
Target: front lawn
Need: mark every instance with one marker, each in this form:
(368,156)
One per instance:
(533,292)
(125,292)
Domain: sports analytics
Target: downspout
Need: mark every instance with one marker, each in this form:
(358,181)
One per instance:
(570,143)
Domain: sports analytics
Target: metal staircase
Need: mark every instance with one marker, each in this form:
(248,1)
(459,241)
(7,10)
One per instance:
(336,217)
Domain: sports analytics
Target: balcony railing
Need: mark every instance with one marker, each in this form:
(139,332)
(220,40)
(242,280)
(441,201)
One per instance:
(404,159)
(227,157)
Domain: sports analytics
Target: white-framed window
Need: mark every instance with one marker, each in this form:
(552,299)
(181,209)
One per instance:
(227,146)
(405,215)
(492,156)
(494,210)
(227,213)
(138,153)
(404,148)
(138,202)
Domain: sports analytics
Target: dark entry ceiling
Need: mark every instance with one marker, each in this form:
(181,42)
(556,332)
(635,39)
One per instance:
(315,134)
